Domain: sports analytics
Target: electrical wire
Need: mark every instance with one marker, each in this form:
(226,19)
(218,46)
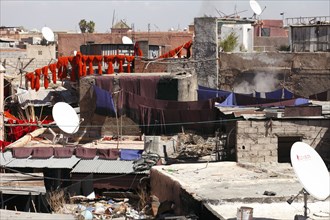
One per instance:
(68,180)
(140,125)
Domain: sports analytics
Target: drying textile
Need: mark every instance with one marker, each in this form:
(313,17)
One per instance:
(130,154)
(111,154)
(104,102)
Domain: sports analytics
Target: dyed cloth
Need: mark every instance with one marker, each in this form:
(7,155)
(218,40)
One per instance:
(159,115)
(42,152)
(130,154)
(322,96)
(110,154)
(3,145)
(208,93)
(104,102)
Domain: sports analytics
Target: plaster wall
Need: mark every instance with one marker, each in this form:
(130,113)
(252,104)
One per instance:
(257,141)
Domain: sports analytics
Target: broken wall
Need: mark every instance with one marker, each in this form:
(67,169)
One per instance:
(258,141)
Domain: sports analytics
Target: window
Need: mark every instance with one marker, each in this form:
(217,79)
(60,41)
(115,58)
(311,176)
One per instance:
(39,52)
(265,32)
(284,148)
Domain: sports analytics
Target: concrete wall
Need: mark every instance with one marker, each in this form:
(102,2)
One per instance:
(257,141)
(205,51)
(41,51)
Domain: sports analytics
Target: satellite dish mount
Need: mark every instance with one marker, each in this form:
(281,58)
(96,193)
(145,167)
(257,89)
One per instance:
(48,35)
(312,173)
(66,119)
(256,8)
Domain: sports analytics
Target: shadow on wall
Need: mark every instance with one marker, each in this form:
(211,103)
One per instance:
(323,147)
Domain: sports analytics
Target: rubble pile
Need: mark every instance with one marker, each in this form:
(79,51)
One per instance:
(194,146)
(85,209)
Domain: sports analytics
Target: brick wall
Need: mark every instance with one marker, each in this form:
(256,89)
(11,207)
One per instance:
(257,141)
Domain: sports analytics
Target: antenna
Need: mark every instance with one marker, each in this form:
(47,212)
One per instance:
(48,34)
(311,171)
(66,119)
(255,7)
(126,40)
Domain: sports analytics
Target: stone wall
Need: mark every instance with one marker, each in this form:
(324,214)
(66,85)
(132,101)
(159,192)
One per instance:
(302,73)
(257,141)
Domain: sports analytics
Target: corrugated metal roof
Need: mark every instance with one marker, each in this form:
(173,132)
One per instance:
(44,96)
(5,158)
(44,163)
(22,184)
(104,166)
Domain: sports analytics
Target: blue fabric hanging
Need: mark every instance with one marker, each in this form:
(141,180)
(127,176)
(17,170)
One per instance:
(104,102)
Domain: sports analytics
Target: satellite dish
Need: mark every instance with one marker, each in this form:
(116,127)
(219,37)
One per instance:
(310,170)
(255,7)
(65,117)
(48,34)
(126,40)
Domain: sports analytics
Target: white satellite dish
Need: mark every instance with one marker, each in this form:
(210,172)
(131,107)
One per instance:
(126,40)
(310,170)
(65,117)
(255,7)
(48,34)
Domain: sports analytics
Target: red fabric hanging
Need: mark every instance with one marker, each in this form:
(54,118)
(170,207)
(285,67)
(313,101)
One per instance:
(65,67)
(37,79)
(45,73)
(178,51)
(90,65)
(110,59)
(84,68)
(129,59)
(79,64)
(52,68)
(120,60)
(59,66)
(171,53)
(30,78)
(187,45)
(137,50)
(72,62)
(99,59)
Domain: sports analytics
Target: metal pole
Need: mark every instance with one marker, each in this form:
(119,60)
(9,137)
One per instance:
(2,109)
(305,203)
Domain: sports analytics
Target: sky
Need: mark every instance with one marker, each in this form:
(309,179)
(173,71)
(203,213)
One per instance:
(161,15)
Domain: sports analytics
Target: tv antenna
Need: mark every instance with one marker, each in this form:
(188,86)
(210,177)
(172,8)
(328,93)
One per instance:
(256,8)
(48,34)
(126,40)
(66,119)
(312,173)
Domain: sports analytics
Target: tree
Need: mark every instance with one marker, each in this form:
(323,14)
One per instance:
(229,43)
(91,27)
(83,25)
(87,26)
